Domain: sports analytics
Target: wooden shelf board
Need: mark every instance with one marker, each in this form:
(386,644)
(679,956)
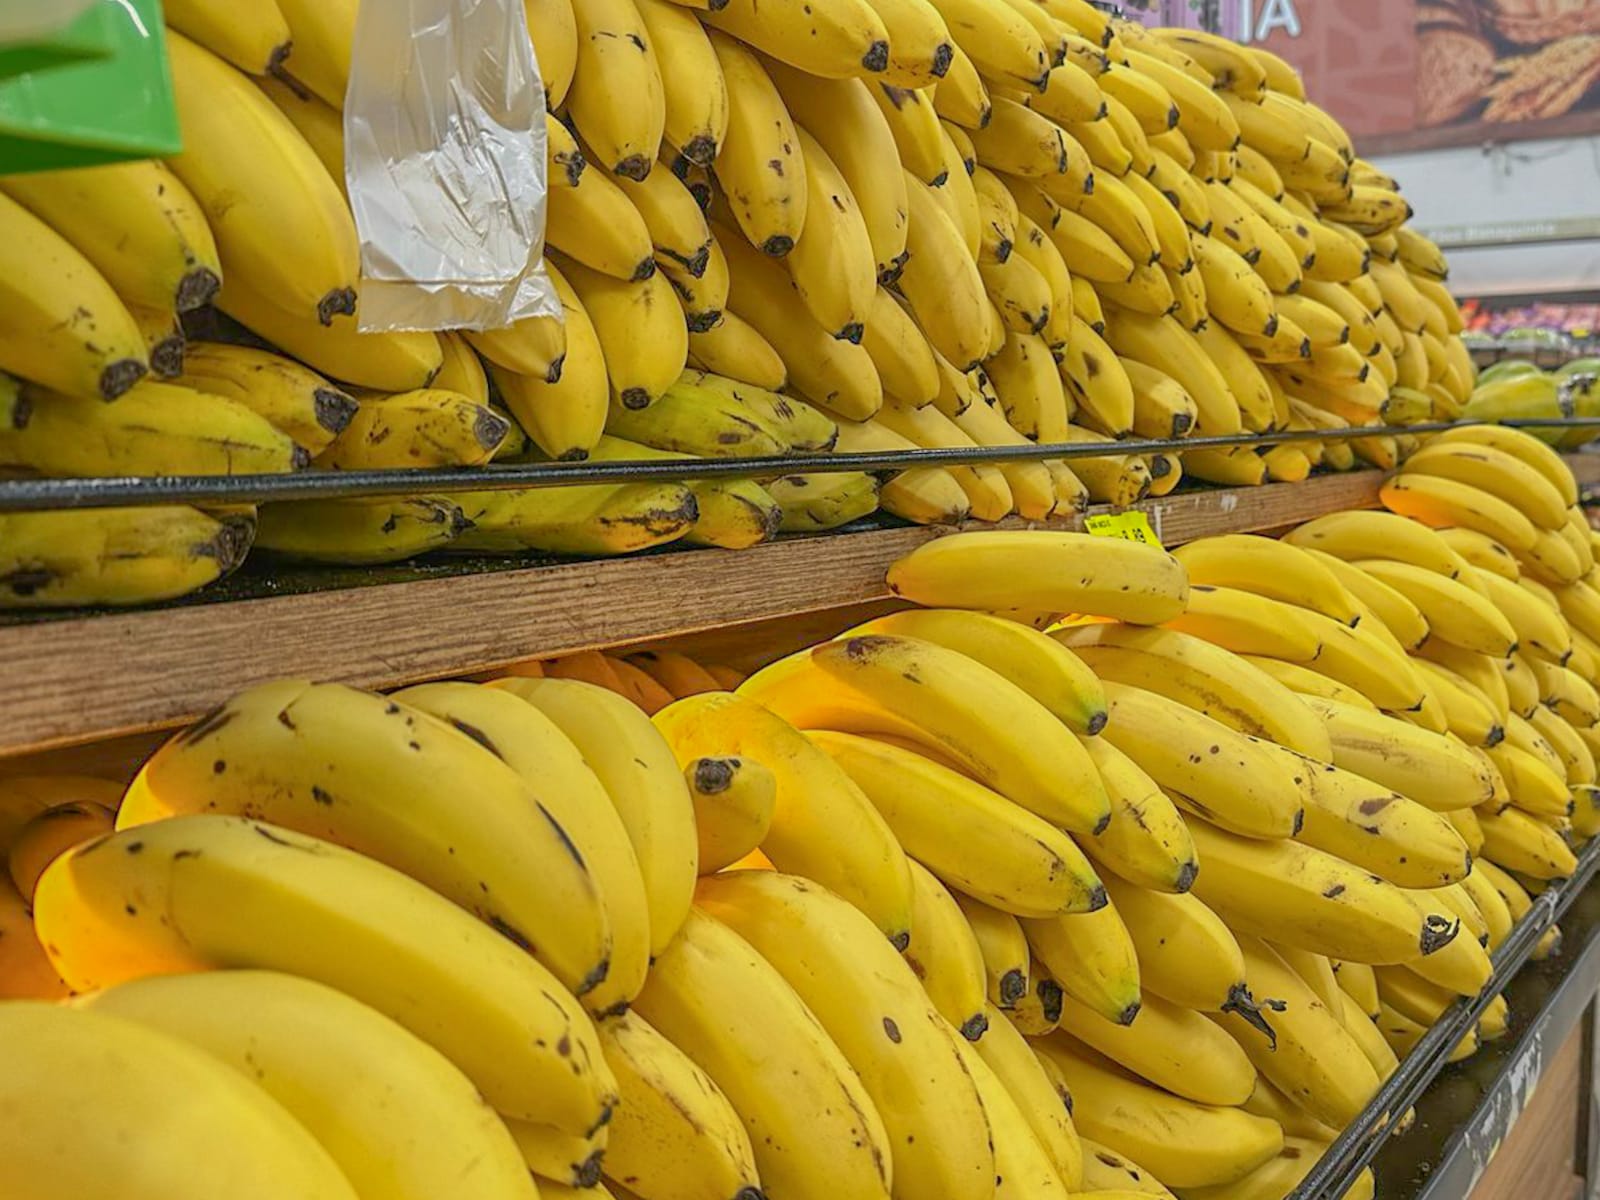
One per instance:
(76,680)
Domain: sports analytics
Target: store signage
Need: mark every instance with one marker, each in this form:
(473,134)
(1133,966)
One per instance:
(1133,526)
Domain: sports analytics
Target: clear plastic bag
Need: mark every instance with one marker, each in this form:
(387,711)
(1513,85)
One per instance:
(445,165)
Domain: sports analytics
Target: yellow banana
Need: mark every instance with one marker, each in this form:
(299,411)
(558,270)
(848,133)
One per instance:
(835,39)
(945,955)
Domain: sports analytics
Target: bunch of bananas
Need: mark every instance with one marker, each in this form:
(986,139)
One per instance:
(1099,870)
(859,225)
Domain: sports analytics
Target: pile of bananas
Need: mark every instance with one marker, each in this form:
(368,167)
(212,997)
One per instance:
(851,225)
(1098,870)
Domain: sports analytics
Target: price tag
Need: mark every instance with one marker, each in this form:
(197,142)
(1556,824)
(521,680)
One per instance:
(1131,526)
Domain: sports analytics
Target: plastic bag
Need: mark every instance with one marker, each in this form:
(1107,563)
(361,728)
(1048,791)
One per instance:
(444,127)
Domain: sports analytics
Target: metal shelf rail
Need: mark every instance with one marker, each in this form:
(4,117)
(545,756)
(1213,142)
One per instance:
(35,495)
(1360,1142)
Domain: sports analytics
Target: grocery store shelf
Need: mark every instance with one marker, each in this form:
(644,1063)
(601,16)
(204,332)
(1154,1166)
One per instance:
(80,678)
(1447,1171)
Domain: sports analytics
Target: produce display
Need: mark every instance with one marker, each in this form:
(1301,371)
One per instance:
(1094,870)
(852,225)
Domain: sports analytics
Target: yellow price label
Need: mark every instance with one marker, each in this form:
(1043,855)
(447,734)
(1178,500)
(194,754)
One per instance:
(1132,526)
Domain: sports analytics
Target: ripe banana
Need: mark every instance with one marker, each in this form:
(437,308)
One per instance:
(860,990)
(262,188)
(967,835)
(639,326)
(240,1142)
(835,39)
(155,429)
(1359,534)
(1454,612)
(392,1112)
(1303,897)
(1075,573)
(1091,956)
(945,956)
(814,1130)
(1146,840)
(444,966)
(985,721)
(1201,676)
(674,1132)
(822,827)
(1237,782)
(1186,1144)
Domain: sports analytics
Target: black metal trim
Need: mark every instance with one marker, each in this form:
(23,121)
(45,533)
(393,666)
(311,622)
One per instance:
(38,495)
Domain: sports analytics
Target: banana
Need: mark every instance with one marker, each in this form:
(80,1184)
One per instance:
(1311,1057)
(925,495)
(674,1133)
(565,418)
(1030,1083)
(153,1090)
(1069,96)
(733,349)
(799,928)
(818,1134)
(760,164)
(1004,949)
(832,261)
(1453,611)
(1378,601)
(1186,954)
(390,1110)
(290,397)
(920,45)
(1517,842)
(822,825)
(694,96)
(1093,253)
(1022,1162)
(1306,898)
(961,97)
(1092,957)
(1203,117)
(1439,502)
(162,255)
(50,834)
(1499,474)
(1019,291)
(617,56)
(1174,1048)
(1242,784)
(1541,633)
(1567,693)
(1187,1145)
(186,862)
(1414,847)
(639,327)
(900,354)
(968,836)
(1520,445)
(261,188)
(836,39)
(693,419)
(589,216)
(1422,766)
(918,137)
(1039,665)
(1096,378)
(115,556)
(396,361)
(1365,534)
(1235,294)
(945,956)
(1115,479)
(1029,388)
(155,429)
(1573,753)
(835,374)
(1076,573)
(1001,41)
(1163,344)
(551,765)
(1230,468)
(1200,676)
(635,767)
(163,339)
(273,739)
(1034,486)
(64,325)
(733,805)
(1150,104)
(358,532)
(1114,207)
(1106,1170)
(815,503)
(991,726)
(1246,623)
(1161,407)
(1269,568)
(425,428)
(987,491)
(1146,840)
